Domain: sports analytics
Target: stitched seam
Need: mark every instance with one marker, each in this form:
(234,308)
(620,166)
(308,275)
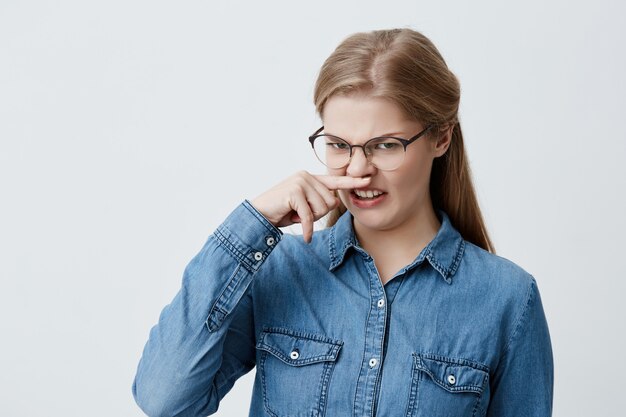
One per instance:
(412,390)
(382,345)
(455,361)
(520,319)
(480,394)
(223,301)
(321,390)
(333,346)
(262,219)
(331,244)
(328,371)
(279,355)
(218,299)
(356,392)
(417,377)
(432,258)
(459,362)
(301,334)
(442,270)
(465,388)
(457,260)
(236,253)
(265,400)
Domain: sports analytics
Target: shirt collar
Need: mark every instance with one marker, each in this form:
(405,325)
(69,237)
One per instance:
(444,252)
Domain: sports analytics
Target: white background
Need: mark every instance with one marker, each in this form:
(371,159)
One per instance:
(130,129)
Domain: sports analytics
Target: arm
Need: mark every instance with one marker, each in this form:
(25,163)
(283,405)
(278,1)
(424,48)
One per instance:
(523,381)
(204,339)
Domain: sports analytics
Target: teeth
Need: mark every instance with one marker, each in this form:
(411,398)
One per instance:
(368,193)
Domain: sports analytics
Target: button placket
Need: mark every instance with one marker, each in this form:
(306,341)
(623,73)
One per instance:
(370,377)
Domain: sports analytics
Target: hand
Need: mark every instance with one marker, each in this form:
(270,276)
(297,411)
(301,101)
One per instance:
(304,198)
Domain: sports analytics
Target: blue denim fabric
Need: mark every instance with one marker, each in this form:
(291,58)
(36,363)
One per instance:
(458,332)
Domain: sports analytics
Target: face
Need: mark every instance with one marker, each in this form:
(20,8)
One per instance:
(403,192)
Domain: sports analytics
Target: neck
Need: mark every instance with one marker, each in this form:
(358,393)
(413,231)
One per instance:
(402,243)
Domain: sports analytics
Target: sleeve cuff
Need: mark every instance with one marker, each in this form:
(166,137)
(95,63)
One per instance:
(248,236)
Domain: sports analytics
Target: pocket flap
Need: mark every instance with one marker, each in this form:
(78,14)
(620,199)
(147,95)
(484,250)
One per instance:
(297,348)
(454,375)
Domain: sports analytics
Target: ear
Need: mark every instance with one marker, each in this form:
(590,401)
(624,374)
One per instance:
(442,143)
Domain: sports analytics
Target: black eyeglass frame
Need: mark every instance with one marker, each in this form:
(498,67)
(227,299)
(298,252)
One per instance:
(405,143)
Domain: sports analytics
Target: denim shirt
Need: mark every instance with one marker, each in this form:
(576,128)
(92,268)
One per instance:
(458,332)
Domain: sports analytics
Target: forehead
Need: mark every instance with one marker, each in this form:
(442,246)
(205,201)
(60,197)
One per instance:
(362,116)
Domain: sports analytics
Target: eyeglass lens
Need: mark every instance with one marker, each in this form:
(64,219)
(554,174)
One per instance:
(384,153)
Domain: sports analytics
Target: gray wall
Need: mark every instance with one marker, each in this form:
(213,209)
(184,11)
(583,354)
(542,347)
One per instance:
(118,123)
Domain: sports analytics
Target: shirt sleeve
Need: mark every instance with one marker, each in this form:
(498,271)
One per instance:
(204,339)
(522,384)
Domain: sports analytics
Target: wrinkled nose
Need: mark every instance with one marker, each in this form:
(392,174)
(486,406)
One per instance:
(359,166)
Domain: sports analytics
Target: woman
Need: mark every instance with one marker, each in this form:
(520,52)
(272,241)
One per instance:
(399,309)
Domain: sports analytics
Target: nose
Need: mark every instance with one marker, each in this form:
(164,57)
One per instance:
(359,166)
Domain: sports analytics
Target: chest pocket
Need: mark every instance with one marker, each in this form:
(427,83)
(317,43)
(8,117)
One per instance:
(295,369)
(447,387)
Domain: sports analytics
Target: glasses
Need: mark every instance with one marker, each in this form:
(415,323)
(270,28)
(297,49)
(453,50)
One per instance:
(384,152)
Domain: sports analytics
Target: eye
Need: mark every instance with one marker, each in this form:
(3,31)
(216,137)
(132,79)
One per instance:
(386,146)
(338,146)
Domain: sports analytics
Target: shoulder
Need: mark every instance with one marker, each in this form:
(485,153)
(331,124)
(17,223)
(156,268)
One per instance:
(487,268)
(502,289)
(508,286)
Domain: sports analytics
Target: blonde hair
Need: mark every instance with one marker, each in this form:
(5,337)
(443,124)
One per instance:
(404,66)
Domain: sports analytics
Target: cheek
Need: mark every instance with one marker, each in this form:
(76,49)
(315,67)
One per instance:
(420,172)
(415,175)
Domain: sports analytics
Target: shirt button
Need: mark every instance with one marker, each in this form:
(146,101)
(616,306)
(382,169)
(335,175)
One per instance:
(451,380)
(258,256)
(373,362)
(381,303)
(294,354)
(270,241)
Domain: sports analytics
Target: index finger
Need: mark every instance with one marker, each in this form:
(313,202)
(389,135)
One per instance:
(342,182)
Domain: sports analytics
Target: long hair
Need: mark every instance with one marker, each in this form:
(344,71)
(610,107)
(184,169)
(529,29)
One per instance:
(404,66)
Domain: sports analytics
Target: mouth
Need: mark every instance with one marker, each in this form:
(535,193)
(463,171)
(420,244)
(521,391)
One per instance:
(367,194)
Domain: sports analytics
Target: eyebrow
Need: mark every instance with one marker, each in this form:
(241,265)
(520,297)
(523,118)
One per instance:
(394,134)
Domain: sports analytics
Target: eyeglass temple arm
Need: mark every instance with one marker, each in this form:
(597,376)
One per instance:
(317,131)
(312,137)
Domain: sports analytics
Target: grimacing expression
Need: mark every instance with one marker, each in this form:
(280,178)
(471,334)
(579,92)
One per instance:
(394,198)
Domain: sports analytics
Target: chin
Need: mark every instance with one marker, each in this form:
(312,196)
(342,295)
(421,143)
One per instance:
(373,221)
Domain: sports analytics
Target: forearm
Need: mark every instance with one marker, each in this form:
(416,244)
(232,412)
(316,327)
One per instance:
(179,372)
(523,383)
